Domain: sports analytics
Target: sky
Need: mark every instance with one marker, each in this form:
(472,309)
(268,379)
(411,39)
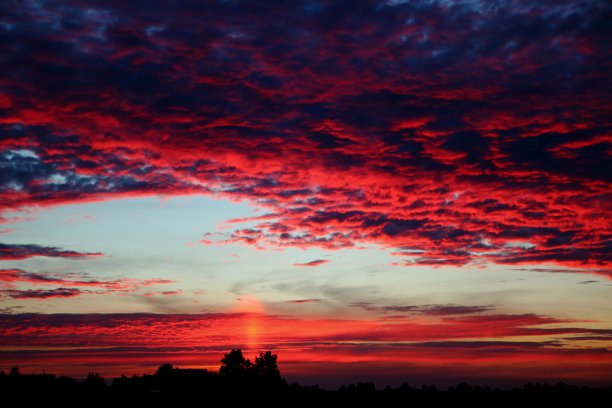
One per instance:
(396,191)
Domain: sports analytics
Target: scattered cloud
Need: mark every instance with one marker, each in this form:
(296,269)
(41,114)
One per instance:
(603,272)
(10,309)
(302,301)
(163,293)
(70,284)
(433,310)
(586,282)
(316,262)
(19,252)
(42,293)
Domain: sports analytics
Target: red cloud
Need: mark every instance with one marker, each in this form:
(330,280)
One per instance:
(10,277)
(467,151)
(193,329)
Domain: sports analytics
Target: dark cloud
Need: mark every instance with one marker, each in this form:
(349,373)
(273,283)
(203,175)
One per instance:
(163,293)
(604,273)
(23,251)
(501,346)
(14,276)
(10,309)
(442,310)
(41,293)
(473,132)
(316,262)
(434,310)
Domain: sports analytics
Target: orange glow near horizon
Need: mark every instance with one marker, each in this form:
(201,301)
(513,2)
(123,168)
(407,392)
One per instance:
(253,308)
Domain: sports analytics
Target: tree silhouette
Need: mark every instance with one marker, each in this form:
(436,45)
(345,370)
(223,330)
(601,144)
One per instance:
(164,371)
(239,381)
(94,381)
(266,367)
(234,364)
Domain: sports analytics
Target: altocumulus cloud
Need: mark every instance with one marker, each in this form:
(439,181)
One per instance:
(453,133)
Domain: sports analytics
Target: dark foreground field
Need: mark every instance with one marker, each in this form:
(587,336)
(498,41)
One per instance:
(242,383)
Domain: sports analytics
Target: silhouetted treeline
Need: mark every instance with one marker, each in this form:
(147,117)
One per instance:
(240,380)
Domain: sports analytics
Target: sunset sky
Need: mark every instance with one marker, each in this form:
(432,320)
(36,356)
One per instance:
(392,191)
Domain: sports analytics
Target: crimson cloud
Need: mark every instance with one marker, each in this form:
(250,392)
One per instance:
(452,133)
